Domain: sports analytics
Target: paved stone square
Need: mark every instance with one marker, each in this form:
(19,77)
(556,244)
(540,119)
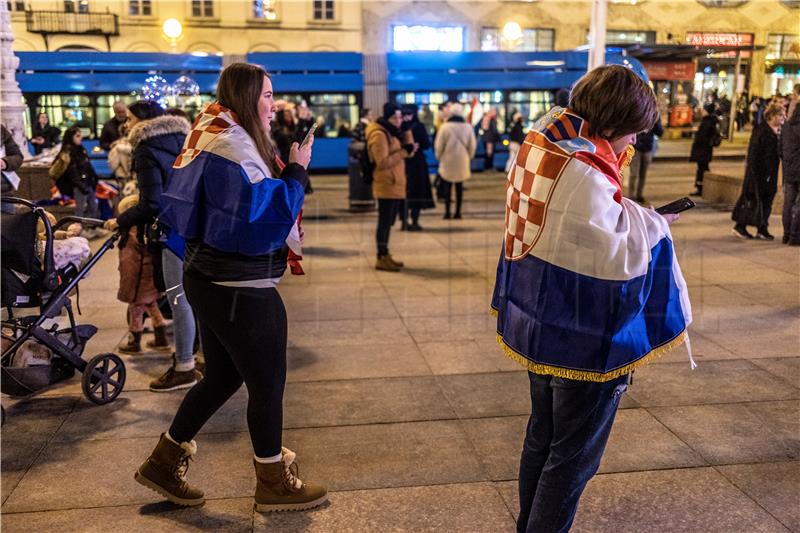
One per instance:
(400,401)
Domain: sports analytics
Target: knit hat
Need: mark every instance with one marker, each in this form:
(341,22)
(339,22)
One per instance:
(389,110)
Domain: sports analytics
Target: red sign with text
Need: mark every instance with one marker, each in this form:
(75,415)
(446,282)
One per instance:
(669,70)
(698,38)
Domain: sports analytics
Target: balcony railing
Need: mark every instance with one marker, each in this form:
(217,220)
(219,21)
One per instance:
(59,22)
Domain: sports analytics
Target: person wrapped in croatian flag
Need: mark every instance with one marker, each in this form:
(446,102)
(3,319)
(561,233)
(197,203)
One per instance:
(225,195)
(588,285)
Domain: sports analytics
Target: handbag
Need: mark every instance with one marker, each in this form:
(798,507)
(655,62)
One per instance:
(59,166)
(749,210)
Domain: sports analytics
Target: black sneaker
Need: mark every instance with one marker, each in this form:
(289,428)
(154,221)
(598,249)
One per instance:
(174,380)
(741,232)
(697,192)
(764,234)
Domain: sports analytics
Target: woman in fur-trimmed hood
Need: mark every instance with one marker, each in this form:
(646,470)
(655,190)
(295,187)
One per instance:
(156,140)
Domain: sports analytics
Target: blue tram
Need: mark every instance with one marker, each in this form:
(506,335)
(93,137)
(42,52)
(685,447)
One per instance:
(79,88)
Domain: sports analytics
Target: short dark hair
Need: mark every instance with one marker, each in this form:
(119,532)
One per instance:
(146,109)
(615,102)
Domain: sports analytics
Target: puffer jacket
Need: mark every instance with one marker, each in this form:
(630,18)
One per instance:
(155,144)
(455,147)
(389,176)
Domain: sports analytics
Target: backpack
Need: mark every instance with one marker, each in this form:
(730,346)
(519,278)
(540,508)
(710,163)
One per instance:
(367,165)
(717,139)
(59,166)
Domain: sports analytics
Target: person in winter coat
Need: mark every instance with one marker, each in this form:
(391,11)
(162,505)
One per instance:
(488,133)
(235,205)
(754,205)
(111,129)
(388,149)
(43,134)
(79,180)
(455,147)
(10,160)
(516,136)
(790,139)
(706,138)
(645,143)
(156,140)
(418,182)
(136,287)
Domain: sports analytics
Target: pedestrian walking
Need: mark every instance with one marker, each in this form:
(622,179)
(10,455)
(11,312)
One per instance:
(642,158)
(516,136)
(790,143)
(74,174)
(580,327)
(388,150)
(235,207)
(419,195)
(156,139)
(708,137)
(455,147)
(136,285)
(760,184)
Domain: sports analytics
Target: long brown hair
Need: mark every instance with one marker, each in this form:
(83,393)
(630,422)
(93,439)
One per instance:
(239,90)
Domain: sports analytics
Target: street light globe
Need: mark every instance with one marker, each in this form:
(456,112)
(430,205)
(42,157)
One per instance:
(172,28)
(512,31)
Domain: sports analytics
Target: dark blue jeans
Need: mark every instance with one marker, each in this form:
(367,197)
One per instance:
(567,434)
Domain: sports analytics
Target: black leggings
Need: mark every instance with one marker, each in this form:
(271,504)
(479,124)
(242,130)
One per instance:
(243,331)
(702,168)
(448,188)
(388,209)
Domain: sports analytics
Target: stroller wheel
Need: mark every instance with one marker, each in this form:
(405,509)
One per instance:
(103,378)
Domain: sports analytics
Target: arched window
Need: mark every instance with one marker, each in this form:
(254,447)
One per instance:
(77,48)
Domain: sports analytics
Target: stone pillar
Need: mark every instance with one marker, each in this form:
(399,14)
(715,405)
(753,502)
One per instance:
(12,105)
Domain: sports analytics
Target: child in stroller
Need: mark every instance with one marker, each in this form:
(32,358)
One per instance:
(32,280)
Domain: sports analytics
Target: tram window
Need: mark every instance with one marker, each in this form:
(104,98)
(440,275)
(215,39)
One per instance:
(104,108)
(68,110)
(532,104)
(428,105)
(479,103)
(336,109)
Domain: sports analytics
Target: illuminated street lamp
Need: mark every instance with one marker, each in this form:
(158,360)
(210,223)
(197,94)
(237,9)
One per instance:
(173,31)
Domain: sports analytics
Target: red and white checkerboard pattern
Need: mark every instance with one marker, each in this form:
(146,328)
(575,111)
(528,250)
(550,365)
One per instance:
(208,126)
(530,185)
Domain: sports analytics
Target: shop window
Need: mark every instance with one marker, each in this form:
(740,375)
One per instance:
(783,46)
(76,6)
(203,8)
(723,3)
(140,8)
(264,10)
(433,38)
(324,10)
(16,5)
(532,40)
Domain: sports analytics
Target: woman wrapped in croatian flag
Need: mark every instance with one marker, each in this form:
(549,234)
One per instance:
(588,286)
(236,207)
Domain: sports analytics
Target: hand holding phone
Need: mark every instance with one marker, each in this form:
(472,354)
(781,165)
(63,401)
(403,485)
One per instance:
(678,206)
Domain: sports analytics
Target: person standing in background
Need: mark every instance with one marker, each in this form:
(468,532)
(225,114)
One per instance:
(707,137)
(516,136)
(43,134)
(645,145)
(111,129)
(418,182)
(488,132)
(455,147)
(790,146)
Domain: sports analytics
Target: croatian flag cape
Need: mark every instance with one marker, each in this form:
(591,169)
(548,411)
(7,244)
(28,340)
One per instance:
(588,286)
(224,194)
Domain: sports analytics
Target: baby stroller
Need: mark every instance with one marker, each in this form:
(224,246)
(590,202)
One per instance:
(29,281)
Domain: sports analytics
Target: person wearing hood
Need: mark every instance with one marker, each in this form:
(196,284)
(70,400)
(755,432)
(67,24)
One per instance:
(418,189)
(156,140)
(706,138)
(455,147)
(388,149)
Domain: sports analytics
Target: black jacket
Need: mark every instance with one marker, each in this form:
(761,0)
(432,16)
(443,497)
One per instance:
(12,157)
(703,145)
(517,132)
(80,173)
(110,133)
(790,142)
(49,133)
(763,158)
(155,144)
(645,141)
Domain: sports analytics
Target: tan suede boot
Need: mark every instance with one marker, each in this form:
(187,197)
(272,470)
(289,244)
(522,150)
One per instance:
(165,472)
(279,489)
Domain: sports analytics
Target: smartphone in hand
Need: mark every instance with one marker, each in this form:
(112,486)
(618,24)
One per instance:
(310,134)
(678,206)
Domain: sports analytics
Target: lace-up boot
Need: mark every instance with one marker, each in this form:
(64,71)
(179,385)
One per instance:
(279,488)
(165,472)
